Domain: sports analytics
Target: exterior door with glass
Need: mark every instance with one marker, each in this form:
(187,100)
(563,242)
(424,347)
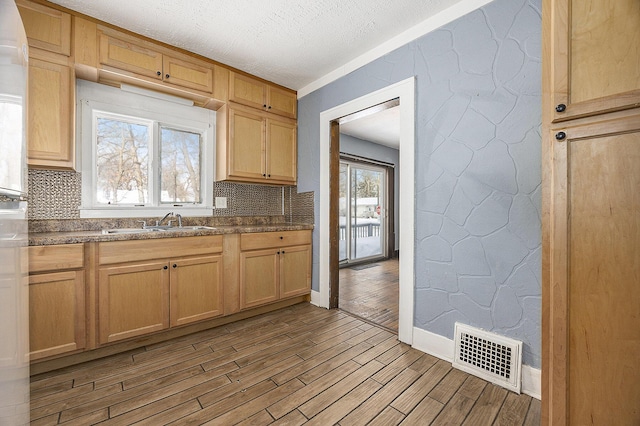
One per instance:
(362,212)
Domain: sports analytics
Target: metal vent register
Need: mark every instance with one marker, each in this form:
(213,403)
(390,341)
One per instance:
(494,358)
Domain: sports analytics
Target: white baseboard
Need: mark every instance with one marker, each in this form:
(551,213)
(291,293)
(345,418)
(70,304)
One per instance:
(442,347)
(315,298)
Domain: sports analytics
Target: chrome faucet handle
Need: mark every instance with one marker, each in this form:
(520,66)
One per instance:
(143,222)
(169,223)
(179,216)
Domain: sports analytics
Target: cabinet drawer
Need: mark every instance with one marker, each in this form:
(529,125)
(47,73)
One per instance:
(262,240)
(56,257)
(161,248)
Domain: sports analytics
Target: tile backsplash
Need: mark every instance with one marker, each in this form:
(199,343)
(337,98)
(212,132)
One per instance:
(55,194)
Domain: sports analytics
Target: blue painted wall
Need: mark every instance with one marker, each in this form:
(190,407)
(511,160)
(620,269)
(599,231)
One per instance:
(478,161)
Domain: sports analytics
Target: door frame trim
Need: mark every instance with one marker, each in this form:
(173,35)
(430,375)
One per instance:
(405,90)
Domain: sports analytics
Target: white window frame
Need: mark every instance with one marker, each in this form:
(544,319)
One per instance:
(159,110)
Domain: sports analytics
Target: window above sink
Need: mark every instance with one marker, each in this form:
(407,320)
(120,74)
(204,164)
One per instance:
(143,153)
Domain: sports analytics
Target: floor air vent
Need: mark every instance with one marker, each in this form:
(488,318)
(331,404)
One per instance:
(494,358)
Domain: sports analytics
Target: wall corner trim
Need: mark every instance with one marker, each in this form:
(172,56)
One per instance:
(442,347)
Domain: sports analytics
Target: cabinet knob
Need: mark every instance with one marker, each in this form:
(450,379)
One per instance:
(281,237)
(560,136)
(282,251)
(269,175)
(167,76)
(175,265)
(561,108)
(278,252)
(165,267)
(264,106)
(269,106)
(158,73)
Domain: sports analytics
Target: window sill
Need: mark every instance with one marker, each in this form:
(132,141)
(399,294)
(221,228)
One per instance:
(129,212)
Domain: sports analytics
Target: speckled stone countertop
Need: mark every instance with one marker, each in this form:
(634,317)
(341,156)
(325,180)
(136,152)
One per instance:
(90,230)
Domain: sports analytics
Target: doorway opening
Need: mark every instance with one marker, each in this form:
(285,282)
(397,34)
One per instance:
(326,296)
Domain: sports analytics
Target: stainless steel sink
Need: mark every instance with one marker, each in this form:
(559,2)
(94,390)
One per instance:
(128,231)
(154,229)
(189,228)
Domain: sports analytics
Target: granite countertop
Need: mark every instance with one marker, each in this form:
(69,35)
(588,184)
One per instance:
(50,234)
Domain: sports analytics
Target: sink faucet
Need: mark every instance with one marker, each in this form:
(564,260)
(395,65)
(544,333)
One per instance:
(159,222)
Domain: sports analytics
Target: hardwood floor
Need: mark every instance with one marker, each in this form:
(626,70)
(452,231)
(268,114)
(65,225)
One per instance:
(371,292)
(299,365)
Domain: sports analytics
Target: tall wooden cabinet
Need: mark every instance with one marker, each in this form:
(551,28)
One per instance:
(591,226)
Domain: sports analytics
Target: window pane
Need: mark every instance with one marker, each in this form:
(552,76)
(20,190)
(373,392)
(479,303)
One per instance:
(122,155)
(180,173)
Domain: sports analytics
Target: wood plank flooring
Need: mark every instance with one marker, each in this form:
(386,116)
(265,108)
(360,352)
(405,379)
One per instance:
(298,365)
(372,293)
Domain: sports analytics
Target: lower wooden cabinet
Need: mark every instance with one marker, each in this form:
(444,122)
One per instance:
(196,289)
(143,288)
(57,316)
(274,266)
(133,300)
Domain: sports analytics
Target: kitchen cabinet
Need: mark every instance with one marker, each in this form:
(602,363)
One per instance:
(144,287)
(253,146)
(591,152)
(196,285)
(274,266)
(254,93)
(47,29)
(141,58)
(50,109)
(57,315)
(51,86)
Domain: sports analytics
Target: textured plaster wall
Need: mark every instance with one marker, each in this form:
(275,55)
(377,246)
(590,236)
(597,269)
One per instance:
(373,151)
(478,94)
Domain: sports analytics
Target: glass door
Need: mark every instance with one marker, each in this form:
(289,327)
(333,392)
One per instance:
(362,212)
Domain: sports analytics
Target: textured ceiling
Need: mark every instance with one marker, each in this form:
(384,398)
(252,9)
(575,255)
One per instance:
(289,42)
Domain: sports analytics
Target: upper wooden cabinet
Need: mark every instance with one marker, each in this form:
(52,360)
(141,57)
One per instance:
(51,108)
(257,94)
(254,146)
(48,29)
(141,58)
(50,135)
(595,56)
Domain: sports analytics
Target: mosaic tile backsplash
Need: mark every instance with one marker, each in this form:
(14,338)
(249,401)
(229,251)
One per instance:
(55,194)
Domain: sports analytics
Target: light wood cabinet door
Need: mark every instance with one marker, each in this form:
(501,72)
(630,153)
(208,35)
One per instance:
(56,313)
(246,145)
(46,28)
(247,91)
(295,271)
(196,289)
(130,56)
(282,102)
(282,151)
(595,57)
(187,74)
(51,91)
(133,300)
(595,271)
(258,277)
(257,94)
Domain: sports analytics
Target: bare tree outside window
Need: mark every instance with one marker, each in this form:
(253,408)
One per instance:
(122,155)
(180,172)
